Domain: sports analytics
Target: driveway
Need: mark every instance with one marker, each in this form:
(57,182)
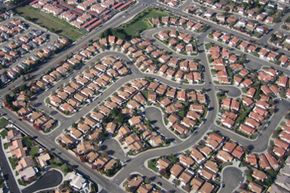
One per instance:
(49,180)
(232,177)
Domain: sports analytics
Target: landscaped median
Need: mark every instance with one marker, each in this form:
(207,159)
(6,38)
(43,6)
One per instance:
(50,22)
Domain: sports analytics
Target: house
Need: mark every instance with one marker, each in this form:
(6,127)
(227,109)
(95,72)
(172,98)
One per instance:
(185,177)
(186,161)
(163,164)
(28,174)
(77,181)
(197,155)
(196,183)
(176,170)
(134,181)
(43,159)
(207,187)
(254,187)
(224,156)
(24,162)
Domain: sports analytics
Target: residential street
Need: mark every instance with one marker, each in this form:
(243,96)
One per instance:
(231,176)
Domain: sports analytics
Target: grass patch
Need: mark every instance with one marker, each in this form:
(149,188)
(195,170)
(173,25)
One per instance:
(1,183)
(56,163)
(6,145)
(3,133)
(3,122)
(27,141)
(34,151)
(22,183)
(152,165)
(137,25)
(13,161)
(50,22)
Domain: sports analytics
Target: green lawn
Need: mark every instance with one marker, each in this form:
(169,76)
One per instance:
(137,25)
(3,133)
(50,22)
(27,141)
(13,161)
(34,151)
(3,122)
(56,163)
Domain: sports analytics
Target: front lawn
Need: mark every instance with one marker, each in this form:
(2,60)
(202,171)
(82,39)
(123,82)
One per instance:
(56,163)
(50,22)
(3,122)
(3,133)
(13,161)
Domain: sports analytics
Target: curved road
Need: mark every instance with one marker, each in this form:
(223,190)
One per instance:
(155,114)
(50,179)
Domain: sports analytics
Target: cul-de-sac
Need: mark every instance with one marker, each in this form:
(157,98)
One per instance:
(145,96)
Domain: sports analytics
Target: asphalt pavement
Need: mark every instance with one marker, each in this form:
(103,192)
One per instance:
(231,177)
(49,180)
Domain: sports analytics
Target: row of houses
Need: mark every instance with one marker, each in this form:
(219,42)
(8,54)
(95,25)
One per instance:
(151,59)
(181,42)
(29,164)
(87,14)
(251,48)
(280,40)
(183,22)
(20,104)
(202,165)
(267,12)
(198,169)
(272,159)
(28,47)
(21,45)
(222,62)
(190,67)
(132,133)
(11,28)
(231,21)
(229,68)
(247,119)
(172,3)
(85,87)
(26,164)
(137,183)
(130,101)
(282,181)
(31,61)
